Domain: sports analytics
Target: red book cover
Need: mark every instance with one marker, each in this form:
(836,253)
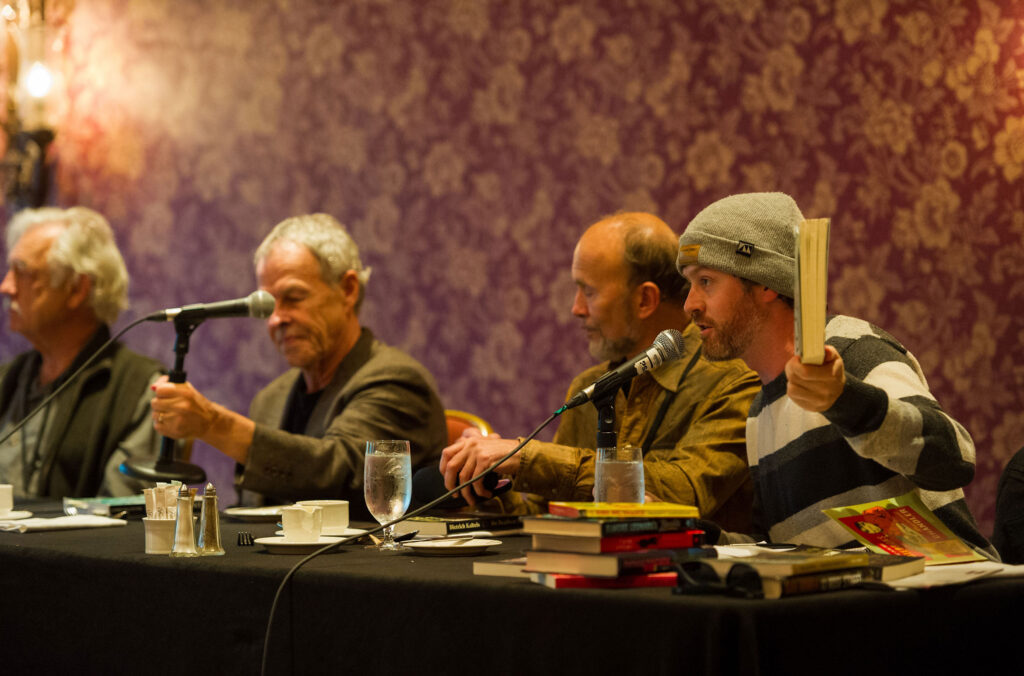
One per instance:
(904,529)
(613,564)
(619,543)
(562,581)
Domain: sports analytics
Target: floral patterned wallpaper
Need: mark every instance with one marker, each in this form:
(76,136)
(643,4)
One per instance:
(467,143)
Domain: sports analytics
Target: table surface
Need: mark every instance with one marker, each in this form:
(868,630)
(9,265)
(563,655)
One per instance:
(90,601)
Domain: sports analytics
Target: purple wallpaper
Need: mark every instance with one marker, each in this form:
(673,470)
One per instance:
(467,143)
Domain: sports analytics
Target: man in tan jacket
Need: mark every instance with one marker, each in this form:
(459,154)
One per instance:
(687,415)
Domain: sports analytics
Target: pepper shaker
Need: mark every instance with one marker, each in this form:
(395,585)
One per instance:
(209,524)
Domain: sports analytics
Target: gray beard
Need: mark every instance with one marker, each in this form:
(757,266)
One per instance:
(613,350)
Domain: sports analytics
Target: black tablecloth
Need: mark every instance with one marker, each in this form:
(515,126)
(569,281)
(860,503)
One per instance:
(90,601)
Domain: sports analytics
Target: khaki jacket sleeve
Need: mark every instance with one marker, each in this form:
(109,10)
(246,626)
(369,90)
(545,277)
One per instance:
(699,458)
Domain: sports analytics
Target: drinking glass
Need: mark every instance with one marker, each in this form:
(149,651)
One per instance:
(619,474)
(387,485)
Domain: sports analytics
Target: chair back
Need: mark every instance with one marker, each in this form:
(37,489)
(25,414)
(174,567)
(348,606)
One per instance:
(1008,535)
(458,421)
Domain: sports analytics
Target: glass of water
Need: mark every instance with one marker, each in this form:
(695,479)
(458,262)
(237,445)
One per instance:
(387,485)
(619,474)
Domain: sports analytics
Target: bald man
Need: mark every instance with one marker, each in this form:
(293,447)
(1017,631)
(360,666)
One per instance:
(687,415)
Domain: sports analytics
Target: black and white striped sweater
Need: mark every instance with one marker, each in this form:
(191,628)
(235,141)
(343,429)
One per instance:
(885,436)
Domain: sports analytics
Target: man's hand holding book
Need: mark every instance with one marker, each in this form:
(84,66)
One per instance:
(816,387)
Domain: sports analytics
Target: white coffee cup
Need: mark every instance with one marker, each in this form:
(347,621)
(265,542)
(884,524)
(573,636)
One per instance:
(302,523)
(335,519)
(6,499)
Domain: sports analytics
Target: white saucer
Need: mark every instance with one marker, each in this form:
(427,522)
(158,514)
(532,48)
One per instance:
(337,532)
(343,532)
(268,513)
(14,515)
(451,547)
(277,545)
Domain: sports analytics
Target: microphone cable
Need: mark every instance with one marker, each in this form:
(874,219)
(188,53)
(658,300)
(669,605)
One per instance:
(255,297)
(419,510)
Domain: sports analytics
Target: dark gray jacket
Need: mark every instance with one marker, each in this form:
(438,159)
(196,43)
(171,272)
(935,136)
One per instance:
(378,392)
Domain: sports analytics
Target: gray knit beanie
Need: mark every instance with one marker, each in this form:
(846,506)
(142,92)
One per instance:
(751,236)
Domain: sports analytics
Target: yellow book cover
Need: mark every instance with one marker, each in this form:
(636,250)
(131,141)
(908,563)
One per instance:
(810,292)
(622,509)
(904,526)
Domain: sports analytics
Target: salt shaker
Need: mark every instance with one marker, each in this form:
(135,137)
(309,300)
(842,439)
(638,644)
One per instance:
(184,533)
(209,524)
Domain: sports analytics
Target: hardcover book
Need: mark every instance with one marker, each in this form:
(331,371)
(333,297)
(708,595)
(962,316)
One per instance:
(614,564)
(460,523)
(881,567)
(564,581)
(618,543)
(622,509)
(771,562)
(810,289)
(889,567)
(811,583)
(561,525)
(502,568)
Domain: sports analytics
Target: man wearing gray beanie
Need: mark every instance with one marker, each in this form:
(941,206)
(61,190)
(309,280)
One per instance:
(860,427)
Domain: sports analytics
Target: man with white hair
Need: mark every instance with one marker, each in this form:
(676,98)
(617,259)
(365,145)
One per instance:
(65,285)
(307,430)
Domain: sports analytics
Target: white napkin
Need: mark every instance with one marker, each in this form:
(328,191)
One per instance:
(59,523)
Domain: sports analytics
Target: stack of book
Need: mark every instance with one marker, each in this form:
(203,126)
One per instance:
(609,545)
(804,570)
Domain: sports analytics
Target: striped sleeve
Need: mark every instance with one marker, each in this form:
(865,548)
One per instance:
(887,414)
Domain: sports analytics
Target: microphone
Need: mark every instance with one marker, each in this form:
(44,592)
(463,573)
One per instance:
(667,346)
(259,304)
(428,485)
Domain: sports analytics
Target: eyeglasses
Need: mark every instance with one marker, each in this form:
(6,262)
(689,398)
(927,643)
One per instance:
(695,578)
(24,273)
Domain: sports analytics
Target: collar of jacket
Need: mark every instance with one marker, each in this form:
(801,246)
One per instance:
(26,359)
(668,375)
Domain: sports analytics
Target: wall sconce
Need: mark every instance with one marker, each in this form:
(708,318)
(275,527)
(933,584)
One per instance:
(31,84)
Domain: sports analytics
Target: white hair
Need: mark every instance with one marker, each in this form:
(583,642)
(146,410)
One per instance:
(327,240)
(85,247)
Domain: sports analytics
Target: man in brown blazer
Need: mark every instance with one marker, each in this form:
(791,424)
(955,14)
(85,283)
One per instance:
(307,429)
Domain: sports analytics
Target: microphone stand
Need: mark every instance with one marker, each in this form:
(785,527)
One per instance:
(165,467)
(606,435)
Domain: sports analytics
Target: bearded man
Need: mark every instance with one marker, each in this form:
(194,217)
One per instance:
(686,415)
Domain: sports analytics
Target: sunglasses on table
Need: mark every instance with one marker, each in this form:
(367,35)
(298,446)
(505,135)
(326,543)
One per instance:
(694,578)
